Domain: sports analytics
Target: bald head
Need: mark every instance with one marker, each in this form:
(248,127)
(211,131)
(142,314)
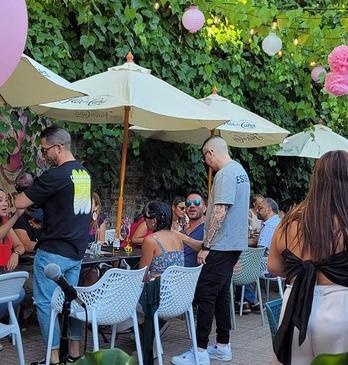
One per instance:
(217,144)
(215,152)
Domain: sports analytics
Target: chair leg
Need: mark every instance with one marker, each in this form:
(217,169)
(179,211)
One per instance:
(233,314)
(241,301)
(50,336)
(193,334)
(158,338)
(19,346)
(280,287)
(260,301)
(113,335)
(137,338)
(267,289)
(187,322)
(95,332)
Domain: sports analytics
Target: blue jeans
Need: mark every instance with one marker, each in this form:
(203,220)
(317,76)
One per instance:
(43,289)
(249,294)
(4,306)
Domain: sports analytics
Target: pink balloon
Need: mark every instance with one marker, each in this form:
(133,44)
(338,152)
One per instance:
(13,35)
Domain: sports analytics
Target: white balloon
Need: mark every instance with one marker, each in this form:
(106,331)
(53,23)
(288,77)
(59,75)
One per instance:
(272,44)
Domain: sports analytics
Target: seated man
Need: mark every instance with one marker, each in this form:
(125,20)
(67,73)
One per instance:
(28,228)
(267,211)
(195,210)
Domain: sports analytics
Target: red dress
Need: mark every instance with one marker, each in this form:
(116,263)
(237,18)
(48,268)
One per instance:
(6,245)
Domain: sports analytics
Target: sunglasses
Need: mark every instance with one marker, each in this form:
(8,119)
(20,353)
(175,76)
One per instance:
(44,150)
(203,157)
(196,202)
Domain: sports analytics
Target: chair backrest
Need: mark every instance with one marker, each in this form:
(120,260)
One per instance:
(113,297)
(273,309)
(10,285)
(247,269)
(178,285)
(263,265)
(109,235)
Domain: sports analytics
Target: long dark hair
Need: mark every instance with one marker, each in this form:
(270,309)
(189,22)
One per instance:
(323,216)
(161,212)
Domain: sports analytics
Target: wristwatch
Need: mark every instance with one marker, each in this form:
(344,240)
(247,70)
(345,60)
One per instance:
(205,248)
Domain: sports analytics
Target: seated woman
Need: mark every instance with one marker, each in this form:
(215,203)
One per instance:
(139,230)
(10,246)
(97,226)
(179,217)
(164,247)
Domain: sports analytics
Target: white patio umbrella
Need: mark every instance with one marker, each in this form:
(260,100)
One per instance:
(244,128)
(313,143)
(32,83)
(129,94)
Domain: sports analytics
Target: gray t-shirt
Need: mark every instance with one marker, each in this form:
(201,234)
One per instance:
(231,186)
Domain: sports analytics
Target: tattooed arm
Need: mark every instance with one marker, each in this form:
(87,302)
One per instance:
(215,223)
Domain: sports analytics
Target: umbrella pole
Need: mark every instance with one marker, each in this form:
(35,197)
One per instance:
(123,170)
(210,171)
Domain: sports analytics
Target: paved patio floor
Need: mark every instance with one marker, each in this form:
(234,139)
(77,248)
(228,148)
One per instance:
(251,343)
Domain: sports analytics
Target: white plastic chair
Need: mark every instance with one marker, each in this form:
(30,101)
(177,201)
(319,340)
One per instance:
(247,271)
(177,290)
(10,286)
(111,300)
(263,275)
(109,235)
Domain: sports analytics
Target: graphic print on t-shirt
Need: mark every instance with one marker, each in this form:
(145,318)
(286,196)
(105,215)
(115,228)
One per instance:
(82,191)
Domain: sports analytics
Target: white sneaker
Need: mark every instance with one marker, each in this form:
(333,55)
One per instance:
(222,353)
(188,358)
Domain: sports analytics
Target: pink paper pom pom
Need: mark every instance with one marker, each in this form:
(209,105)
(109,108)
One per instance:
(338,59)
(336,84)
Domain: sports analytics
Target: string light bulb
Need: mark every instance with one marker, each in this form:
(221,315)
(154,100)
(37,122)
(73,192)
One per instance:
(313,63)
(274,25)
(295,41)
(252,31)
(280,53)
(156,5)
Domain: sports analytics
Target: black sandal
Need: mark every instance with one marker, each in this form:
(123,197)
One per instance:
(72,359)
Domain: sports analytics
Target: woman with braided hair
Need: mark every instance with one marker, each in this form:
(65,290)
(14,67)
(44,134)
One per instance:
(164,247)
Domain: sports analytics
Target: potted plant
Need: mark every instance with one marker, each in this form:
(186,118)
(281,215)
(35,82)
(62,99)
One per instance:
(106,357)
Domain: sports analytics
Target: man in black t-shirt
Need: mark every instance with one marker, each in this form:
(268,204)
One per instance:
(64,194)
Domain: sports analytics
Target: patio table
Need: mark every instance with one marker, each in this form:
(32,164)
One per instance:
(110,256)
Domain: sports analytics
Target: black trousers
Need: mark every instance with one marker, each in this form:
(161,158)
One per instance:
(213,296)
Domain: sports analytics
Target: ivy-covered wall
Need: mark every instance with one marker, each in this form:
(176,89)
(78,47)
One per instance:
(78,38)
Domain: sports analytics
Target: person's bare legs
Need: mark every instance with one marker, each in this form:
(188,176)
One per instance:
(55,356)
(74,351)
(74,348)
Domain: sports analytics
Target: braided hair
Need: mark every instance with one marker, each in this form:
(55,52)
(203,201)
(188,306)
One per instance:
(162,212)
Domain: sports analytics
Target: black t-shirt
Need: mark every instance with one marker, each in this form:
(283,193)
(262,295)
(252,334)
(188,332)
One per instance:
(23,223)
(64,194)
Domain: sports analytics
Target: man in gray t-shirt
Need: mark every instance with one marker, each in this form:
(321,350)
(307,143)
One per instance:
(225,236)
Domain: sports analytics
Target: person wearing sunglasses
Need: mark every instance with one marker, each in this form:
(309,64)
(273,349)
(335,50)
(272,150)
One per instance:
(180,219)
(64,194)
(195,210)
(225,237)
